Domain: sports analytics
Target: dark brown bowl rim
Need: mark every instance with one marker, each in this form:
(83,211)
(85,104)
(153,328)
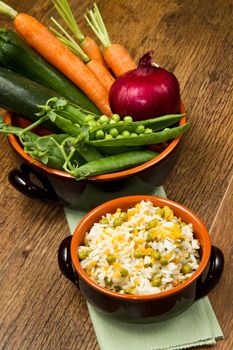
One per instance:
(111,176)
(117,204)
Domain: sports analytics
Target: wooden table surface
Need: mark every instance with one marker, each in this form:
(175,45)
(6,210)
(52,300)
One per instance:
(40,309)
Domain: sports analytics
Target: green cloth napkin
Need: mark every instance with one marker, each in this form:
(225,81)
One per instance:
(194,327)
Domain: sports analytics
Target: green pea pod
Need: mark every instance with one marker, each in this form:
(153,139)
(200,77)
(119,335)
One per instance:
(89,153)
(55,162)
(113,163)
(155,124)
(58,162)
(110,151)
(64,124)
(144,139)
(79,114)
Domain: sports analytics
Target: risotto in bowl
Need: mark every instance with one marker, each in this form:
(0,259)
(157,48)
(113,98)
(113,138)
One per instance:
(141,258)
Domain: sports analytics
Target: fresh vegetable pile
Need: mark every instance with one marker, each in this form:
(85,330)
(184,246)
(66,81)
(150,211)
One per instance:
(65,85)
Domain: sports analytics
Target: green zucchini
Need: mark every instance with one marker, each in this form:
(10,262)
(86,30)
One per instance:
(17,56)
(21,95)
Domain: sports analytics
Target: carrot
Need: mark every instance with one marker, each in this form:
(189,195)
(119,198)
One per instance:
(48,46)
(88,45)
(118,59)
(116,56)
(100,72)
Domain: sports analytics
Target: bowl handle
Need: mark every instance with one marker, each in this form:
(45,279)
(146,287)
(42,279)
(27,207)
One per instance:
(20,180)
(214,274)
(65,263)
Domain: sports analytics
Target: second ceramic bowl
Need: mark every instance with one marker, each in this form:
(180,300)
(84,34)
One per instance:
(146,308)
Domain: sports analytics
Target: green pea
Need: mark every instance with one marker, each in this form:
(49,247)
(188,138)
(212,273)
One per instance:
(125,133)
(156,282)
(110,259)
(107,281)
(152,223)
(178,245)
(134,134)
(118,288)
(159,211)
(148,265)
(151,235)
(119,137)
(156,255)
(104,221)
(128,119)
(138,254)
(92,124)
(99,135)
(108,137)
(123,216)
(113,132)
(124,272)
(148,131)
(131,290)
(117,222)
(186,268)
(140,129)
(112,121)
(104,119)
(121,122)
(83,253)
(163,261)
(88,118)
(116,117)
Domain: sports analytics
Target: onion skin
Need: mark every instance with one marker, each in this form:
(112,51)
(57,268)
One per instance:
(146,92)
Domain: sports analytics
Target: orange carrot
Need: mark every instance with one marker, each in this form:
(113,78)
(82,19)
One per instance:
(100,72)
(116,56)
(92,50)
(118,59)
(88,45)
(48,46)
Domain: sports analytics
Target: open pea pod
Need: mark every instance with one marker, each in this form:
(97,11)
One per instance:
(155,124)
(141,140)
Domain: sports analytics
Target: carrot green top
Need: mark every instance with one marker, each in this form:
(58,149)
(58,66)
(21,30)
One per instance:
(65,12)
(67,40)
(8,11)
(95,21)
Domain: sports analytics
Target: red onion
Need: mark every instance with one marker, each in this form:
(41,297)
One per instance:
(146,92)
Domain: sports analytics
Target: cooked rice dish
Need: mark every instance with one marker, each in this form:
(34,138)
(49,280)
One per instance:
(145,250)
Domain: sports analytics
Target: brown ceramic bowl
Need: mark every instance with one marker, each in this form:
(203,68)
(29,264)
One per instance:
(151,307)
(61,188)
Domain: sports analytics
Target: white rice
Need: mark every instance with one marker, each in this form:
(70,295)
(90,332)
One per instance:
(131,249)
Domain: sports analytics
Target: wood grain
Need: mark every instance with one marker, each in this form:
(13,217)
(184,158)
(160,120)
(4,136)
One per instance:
(222,297)
(39,308)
